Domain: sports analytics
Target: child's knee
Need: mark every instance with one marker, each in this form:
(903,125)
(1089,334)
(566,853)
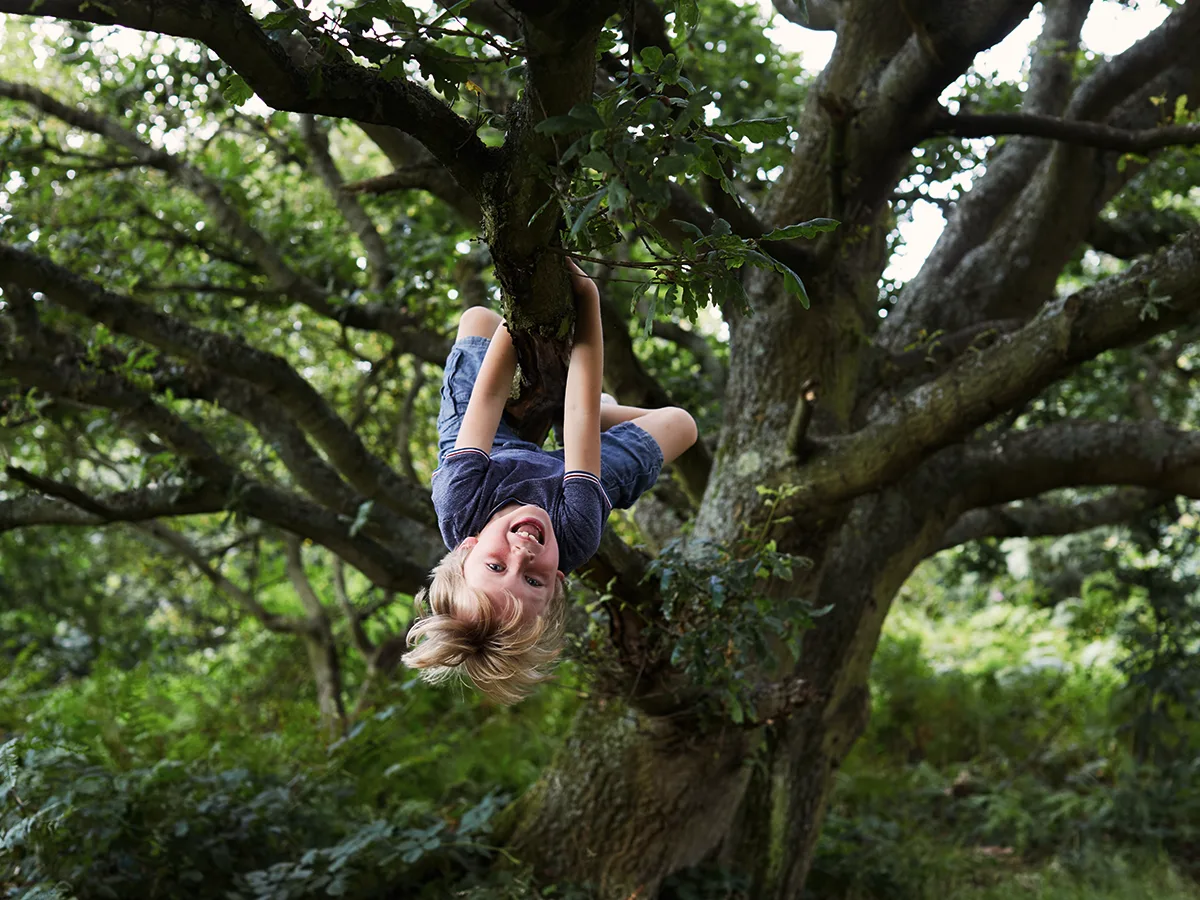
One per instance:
(685,426)
(478,321)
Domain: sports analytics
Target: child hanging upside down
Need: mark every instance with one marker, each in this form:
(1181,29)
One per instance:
(518,518)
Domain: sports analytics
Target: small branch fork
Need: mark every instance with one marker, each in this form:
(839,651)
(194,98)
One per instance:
(802,417)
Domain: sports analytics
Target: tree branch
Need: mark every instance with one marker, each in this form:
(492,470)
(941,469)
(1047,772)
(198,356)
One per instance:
(416,168)
(1138,233)
(1153,296)
(1071,131)
(692,341)
(940,350)
(181,546)
(1040,202)
(60,506)
(1045,518)
(333,88)
(816,15)
(347,203)
(1113,80)
(269,372)
(323,657)
(58,373)
(353,616)
(311,472)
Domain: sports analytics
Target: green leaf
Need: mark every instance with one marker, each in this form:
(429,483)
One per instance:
(809,229)
(689,228)
(556,125)
(793,283)
(736,714)
(687,12)
(583,116)
(235,90)
(757,130)
(587,213)
(669,71)
(618,196)
(285,19)
(652,58)
(401,12)
(450,11)
(598,160)
(587,116)
(366,12)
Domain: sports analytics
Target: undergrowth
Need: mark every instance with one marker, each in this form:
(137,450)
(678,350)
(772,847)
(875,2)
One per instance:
(999,762)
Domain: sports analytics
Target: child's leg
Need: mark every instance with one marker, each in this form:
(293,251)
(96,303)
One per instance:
(478,321)
(673,428)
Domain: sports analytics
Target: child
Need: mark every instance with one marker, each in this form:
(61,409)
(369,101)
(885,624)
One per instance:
(517,517)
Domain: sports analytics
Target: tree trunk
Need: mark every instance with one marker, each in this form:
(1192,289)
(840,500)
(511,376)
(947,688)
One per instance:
(630,799)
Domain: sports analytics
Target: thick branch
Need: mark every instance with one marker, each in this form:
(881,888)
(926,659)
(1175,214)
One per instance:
(817,15)
(1115,79)
(58,374)
(1077,453)
(942,349)
(1027,221)
(1045,518)
(311,472)
(1071,131)
(51,508)
(946,38)
(1151,297)
(1138,233)
(265,370)
(334,88)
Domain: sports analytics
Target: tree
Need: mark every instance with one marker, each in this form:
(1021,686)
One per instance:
(860,432)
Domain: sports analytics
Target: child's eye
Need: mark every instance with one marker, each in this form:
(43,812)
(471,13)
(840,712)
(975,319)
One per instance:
(495,567)
(533,581)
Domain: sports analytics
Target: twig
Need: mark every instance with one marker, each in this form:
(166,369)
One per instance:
(802,415)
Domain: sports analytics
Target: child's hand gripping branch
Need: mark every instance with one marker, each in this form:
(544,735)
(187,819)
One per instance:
(517,517)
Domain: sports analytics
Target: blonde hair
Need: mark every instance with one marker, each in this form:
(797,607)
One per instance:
(502,654)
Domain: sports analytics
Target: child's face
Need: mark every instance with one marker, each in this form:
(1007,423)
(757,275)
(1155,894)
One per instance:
(517,553)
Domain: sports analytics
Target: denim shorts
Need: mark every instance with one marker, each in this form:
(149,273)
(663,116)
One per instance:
(630,458)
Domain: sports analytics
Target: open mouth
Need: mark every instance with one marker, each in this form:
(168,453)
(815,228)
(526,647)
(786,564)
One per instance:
(530,528)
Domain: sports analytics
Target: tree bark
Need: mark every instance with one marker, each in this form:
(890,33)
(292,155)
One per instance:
(631,798)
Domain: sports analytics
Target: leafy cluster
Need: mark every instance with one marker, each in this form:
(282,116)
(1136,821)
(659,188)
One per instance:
(619,160)
(724,613)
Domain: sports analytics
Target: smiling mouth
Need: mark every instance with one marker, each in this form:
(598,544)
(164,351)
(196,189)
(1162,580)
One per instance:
(530,528)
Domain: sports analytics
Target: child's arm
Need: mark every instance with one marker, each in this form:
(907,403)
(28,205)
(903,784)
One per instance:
(581,411)
(489,393)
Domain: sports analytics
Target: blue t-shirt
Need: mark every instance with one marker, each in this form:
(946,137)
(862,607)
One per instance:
(470,486)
